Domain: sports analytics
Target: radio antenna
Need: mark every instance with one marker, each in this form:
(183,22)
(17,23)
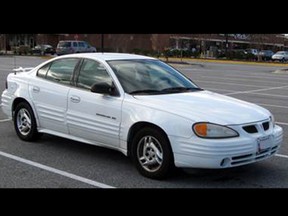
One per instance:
(14,63)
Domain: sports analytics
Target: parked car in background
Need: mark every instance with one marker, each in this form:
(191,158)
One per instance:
(252,54)
(281,56)
(266,55)
(43,49)
(252,51)
(141,107)
(74,46)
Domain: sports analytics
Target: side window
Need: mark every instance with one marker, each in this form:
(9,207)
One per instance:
(86,44)
(81,44)
(43,70)
(75,44)
(61,71)
(92,72)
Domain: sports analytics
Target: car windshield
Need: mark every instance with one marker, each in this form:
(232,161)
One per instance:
(142,76)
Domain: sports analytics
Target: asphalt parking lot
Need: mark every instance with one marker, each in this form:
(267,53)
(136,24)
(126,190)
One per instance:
(54,162)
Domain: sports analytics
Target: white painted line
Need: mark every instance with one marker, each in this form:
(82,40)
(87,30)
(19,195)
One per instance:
(5,120)
(272,77)
(282,123)
(271,95)
(215,89)
(53,170)
(243,79)
(283,156)
(257,90)
(272,105)
(255,93)
(227,83)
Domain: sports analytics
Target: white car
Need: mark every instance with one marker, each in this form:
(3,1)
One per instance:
(141,107)
(280,56)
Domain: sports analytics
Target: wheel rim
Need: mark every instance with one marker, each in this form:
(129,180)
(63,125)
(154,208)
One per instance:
(150,153)
(23,121)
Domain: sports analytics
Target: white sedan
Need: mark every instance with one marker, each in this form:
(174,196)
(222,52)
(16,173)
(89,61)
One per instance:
(141,107)
(280,56)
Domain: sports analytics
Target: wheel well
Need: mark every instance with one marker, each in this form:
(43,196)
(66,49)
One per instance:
(16,102)
(136,127)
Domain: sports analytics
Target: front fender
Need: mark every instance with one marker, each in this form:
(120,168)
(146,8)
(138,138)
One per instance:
(171,124)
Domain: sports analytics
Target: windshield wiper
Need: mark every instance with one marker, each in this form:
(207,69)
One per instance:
(180,89)
(145,91)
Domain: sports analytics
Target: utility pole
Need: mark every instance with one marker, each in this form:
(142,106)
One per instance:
(102,43)
(226,44)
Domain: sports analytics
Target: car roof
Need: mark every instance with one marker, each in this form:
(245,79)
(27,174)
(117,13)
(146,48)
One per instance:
(107,56)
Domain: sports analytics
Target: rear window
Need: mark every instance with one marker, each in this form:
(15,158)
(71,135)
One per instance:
(64,44)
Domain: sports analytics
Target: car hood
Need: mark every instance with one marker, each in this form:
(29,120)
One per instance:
(206,106)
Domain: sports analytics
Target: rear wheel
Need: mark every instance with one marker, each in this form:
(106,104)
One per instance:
(152,154)
(25,122)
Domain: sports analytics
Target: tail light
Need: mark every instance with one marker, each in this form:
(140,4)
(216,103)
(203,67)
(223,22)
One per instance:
(6,84)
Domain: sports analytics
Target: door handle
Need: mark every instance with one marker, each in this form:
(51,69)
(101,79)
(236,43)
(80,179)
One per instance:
(75,99)
(36,89)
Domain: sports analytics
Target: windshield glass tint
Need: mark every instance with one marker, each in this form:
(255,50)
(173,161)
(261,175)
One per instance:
(148,75)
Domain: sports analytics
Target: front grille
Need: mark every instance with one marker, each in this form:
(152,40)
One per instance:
(265,126)
(250,129)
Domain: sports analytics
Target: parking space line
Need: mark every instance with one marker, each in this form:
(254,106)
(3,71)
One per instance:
(5,120)
(272,105)
(215,89)
(53,170)
(264,94)
(257,90)
(268,78)
(272,95)
(283,156)
(282,123)
(243,79)
(226,83)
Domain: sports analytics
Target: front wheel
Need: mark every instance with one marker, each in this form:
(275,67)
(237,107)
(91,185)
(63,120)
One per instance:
(25,122)
(152,154)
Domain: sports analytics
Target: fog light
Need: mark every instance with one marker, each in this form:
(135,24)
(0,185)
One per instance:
(225,162)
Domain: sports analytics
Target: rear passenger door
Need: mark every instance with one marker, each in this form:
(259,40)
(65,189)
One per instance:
(49,91)
(94,117)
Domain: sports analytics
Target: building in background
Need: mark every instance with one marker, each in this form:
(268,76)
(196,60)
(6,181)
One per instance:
(206,43)
(213,42)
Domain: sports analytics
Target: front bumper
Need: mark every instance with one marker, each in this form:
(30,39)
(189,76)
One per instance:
(223,153)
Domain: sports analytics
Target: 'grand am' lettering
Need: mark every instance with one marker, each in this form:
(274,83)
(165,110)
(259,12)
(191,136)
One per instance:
(105,116)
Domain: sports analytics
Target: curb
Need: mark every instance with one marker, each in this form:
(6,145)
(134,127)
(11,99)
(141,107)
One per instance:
(187,60)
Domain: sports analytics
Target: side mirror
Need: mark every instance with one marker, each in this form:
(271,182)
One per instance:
(104,88)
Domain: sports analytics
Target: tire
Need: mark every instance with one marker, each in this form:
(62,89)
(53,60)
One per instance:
(25,123)
(156,147)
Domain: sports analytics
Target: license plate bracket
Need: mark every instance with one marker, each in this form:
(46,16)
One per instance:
(264,143)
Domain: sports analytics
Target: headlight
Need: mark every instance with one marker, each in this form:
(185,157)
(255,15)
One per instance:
(213,131)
